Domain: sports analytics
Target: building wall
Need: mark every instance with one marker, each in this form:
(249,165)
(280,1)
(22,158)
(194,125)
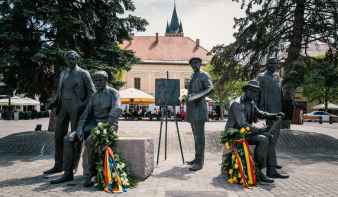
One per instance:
(149,72)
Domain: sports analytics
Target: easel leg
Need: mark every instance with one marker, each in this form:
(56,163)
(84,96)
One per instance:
(178,134)
(159,141)
(166,129)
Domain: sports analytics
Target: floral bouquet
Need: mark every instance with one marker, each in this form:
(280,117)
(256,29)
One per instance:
(238,163)
(104,137)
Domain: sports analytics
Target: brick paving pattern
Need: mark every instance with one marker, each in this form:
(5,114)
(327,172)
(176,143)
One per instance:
(309,158)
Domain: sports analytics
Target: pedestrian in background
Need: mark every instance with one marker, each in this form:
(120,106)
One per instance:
(172,115)
(182,114)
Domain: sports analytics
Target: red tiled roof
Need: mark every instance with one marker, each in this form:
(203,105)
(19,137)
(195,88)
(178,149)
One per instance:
(170,50)
(313,50)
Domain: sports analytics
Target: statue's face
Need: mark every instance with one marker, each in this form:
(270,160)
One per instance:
(251,93)
(272,65)
(100,82)
(71,60)
(195,65)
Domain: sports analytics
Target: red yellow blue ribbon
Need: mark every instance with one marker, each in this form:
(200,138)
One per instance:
(245,164)
(109,169)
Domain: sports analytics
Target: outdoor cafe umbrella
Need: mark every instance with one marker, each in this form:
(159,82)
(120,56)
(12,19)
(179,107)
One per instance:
(14,101)
(329,106)
(29,101)
(135,96)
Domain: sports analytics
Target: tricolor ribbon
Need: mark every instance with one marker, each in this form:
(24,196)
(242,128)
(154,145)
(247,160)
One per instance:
(109,169)
(245,164)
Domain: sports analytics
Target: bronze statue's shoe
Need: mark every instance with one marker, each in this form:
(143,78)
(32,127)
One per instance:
(191,162)
(67,176)
(196,167)
(55,169)
(277,175)
(278,167)
(89,181)
(265,179)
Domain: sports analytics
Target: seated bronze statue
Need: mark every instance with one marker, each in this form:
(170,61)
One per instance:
(241,115)
(103,106)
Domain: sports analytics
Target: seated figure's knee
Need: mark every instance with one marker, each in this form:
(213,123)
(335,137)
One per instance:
(270,138)
(70,137)
(263,139)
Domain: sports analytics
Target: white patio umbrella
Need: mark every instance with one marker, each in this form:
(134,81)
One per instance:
(29,101)
(15,100)
(135,96)
(329,106)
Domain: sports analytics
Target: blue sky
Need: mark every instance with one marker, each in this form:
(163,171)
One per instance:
(211,21)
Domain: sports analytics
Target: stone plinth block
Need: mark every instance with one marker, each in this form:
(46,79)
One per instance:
(226,151)
(139,155)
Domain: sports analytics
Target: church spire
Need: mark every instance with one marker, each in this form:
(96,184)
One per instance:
(175,28)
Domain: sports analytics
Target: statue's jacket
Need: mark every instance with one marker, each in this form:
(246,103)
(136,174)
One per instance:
(242,114)
(83,86)
(200,86)
(102,106)
(271,98)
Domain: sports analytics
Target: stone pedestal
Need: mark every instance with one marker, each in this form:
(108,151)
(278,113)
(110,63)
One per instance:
(139,155)
(226,151)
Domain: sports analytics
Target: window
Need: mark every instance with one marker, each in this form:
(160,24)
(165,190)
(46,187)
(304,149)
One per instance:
(137,83)
(186,83)
(318,113)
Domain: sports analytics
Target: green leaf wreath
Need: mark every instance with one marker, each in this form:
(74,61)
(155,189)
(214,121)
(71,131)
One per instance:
(103,135)
(230,165)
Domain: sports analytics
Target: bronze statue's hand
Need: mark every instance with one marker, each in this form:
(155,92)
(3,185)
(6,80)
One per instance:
(189,98)
(50,106)
(264,129)
(281,114)
(111,121)
(79,134)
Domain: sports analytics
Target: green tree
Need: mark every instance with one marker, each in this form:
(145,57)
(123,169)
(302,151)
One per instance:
(276,26)
(321,84)
(35,34)
(223,92)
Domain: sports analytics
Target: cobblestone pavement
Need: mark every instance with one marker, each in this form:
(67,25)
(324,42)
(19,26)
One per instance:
(309,158)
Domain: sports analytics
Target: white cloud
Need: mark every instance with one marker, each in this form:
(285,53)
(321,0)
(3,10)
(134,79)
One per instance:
(210,21)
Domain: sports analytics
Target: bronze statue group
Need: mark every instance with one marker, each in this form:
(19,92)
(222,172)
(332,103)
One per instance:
(77,101)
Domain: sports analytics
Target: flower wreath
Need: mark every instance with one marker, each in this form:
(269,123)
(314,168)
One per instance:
(104,137)
(238,163)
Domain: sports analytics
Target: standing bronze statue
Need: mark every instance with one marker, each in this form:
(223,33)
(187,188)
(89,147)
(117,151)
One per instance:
(241,115)
(271,98)
(74,91)
(104,106)
(200,86)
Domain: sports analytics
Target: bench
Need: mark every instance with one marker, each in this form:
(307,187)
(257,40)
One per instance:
(311,118)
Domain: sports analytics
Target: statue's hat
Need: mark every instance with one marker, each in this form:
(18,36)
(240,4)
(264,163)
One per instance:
(195,58)
(252,83)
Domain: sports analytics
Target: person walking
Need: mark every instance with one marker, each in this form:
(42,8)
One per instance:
(182,114)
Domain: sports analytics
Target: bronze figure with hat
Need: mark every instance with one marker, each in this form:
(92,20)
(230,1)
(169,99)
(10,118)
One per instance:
(241,115)
(200,86)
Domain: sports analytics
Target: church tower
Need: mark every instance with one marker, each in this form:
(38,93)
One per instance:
(175,28)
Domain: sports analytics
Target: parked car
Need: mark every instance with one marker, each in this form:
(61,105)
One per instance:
(325,116)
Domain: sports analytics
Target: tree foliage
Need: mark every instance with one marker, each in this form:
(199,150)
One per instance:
(223,92)
(35,34)
(321,84)
(275,27)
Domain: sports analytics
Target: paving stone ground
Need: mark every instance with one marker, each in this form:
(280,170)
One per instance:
(311,160)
